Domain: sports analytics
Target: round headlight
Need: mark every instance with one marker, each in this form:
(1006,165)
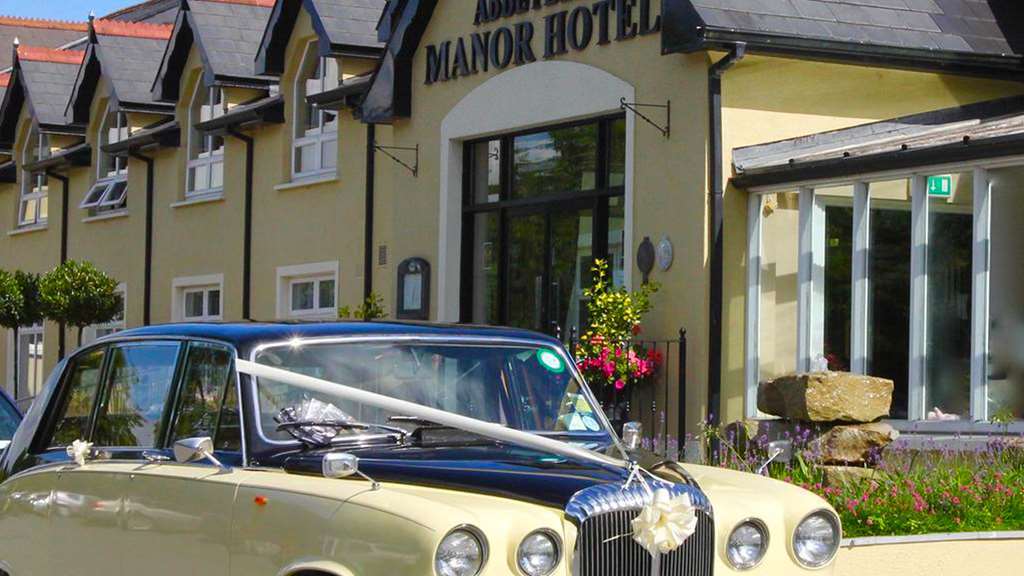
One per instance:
(461,553)
(747,544)
(816,539)
(538,553)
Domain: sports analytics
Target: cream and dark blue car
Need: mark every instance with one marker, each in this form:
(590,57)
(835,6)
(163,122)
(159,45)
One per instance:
(157,452)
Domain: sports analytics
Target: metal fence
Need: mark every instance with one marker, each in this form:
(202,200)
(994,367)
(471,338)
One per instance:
(659,404)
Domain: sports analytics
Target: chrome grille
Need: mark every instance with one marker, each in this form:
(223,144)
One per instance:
(605,546)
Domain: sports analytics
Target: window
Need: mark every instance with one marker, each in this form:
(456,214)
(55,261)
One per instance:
(202,303)
(30,362)
(539,208)
(110,192)
(308,291)
(316,130)
(9,419)
(204,408)
(117,324)
(79,398)
(139,380)
(312,296)
(205,151)
(33,205)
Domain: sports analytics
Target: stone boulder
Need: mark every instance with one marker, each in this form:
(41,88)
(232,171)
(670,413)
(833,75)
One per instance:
(853,443)
(826,397)
(839,476)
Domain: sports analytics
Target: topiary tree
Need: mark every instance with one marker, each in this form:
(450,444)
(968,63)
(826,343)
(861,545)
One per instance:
(79,294)
(19,304)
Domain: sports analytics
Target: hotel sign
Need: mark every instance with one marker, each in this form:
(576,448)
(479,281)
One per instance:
(573,29)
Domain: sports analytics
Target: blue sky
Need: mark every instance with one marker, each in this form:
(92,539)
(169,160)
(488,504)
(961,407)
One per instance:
(61,9)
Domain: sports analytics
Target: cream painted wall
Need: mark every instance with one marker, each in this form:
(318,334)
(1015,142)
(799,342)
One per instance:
(931,558)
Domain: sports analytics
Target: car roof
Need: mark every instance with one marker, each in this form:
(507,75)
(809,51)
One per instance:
(246,335)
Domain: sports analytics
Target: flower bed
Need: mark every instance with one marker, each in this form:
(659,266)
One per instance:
(908,491)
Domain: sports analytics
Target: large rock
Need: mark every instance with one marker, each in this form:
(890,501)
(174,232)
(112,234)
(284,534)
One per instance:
(839,476)
(826,397)
(852,444)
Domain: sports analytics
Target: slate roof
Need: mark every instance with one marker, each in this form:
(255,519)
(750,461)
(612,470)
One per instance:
(131,64)
(48,76)
(36,32)
(344,26)
(154,11)
(918,30)
(230,34)
(960,133)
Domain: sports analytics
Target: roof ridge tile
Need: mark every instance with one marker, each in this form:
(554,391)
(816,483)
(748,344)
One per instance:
(44,23)
(44,54)
(106,27)
(260,3)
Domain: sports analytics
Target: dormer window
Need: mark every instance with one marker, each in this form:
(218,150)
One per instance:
(33,199)
(205,151)
(316,130)
(110,192)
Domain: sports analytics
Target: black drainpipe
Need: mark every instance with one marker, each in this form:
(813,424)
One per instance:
(247,243)
(147,278)
(64,211)
(371,135)
(717,191)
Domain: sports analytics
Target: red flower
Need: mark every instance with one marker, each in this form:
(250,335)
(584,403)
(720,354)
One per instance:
(636,329)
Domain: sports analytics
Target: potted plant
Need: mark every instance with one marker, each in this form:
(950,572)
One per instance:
(79,294)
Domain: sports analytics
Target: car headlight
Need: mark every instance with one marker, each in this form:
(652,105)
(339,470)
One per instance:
(538,553)
(462,552)
(747,544)
(816,539)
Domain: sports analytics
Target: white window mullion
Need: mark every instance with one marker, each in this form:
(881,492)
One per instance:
(918,297)
(817,316)
(860,282)
(753,320)
(805,281)
(981,270)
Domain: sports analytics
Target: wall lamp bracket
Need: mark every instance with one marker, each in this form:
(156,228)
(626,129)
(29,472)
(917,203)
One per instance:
(634,107)
(413,168)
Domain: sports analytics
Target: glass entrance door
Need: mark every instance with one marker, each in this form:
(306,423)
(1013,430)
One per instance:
(549,258)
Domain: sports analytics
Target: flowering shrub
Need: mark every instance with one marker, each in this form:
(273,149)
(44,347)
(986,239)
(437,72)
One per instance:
(909,491)
(607,354)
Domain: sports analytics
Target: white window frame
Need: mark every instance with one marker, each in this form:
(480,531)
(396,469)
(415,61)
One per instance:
(181,287)
(212,157)
(97,331)
(316,272)
(110,192)
(324,132)
(16,389)
(34,185)
(809,293)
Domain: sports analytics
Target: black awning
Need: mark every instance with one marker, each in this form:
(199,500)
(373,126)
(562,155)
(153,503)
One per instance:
(77,155)
(165,135)
(269,110)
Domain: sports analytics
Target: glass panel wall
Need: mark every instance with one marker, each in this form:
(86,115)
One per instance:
(948,309)
(1005,391)
(836,277)
(779,286)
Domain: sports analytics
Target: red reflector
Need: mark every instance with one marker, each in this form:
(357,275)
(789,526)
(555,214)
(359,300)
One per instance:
(260,500)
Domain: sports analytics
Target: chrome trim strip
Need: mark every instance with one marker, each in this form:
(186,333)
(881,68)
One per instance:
(928,538)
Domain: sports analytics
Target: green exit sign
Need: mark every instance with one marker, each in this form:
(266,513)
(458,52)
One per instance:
(940,186)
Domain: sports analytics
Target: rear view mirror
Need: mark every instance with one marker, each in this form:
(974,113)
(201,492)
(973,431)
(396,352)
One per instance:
(195,449)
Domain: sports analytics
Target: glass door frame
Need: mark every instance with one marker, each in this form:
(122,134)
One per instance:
(595,199)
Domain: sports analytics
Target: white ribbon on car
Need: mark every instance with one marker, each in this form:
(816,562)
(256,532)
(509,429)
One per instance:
(396,406)
(79,451)
(665,523)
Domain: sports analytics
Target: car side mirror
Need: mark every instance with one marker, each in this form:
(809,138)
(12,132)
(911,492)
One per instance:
(632,432)
(190,450)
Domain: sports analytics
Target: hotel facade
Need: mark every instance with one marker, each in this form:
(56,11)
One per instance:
(812,184)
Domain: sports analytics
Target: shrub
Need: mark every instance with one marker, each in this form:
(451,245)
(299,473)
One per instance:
(78,294)
(370,309)
(925,490)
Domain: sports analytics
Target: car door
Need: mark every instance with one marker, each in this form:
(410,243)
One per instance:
(178,515)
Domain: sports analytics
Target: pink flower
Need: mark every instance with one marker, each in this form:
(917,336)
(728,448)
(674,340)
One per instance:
(619,384)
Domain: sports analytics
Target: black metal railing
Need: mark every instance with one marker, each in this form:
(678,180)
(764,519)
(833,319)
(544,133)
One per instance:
(659,404)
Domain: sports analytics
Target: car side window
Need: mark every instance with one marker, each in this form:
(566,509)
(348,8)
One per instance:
(139,382)
(9,419)
(80,397)
(207,388)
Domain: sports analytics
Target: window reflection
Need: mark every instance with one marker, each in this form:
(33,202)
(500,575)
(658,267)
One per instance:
(559,161)
(140,378)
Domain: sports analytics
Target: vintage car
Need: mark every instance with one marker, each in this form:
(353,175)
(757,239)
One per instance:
(10,417)
(366,448)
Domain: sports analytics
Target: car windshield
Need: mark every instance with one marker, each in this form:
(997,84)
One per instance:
(525,387)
